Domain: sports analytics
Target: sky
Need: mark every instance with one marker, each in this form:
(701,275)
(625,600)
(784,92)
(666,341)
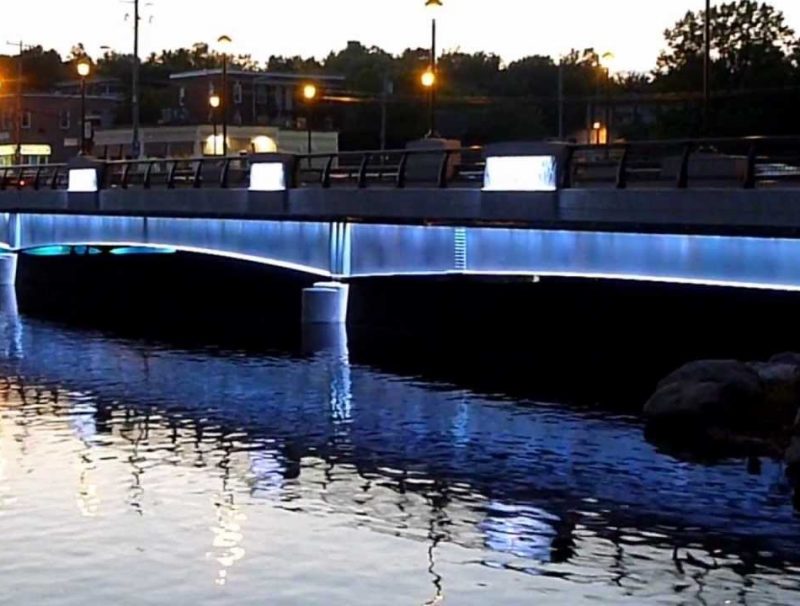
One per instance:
(631,29)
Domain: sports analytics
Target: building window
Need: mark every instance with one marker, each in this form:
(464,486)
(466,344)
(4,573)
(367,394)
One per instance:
(237,93)
(64,119)
(26,119)
(182,96)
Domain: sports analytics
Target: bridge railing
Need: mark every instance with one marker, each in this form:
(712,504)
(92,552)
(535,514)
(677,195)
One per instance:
(33,176)
(746,162)
(441,168)
(172,173)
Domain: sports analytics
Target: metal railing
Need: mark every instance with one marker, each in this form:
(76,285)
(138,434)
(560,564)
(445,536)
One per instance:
(747,162)
(441,168)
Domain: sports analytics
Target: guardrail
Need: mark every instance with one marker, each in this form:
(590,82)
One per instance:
(746,162)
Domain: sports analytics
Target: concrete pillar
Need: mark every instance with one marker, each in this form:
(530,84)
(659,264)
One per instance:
(325,303)
(8,269)
(325,338)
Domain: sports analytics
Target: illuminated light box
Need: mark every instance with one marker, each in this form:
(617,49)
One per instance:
(267,176)
(520,173)
(82,180)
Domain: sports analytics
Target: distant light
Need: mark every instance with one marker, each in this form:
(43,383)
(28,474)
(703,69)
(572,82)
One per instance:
(213,147)
(608,60)
(224,42)
(264,145)
(309,92)
(267,176)
(428,79)
(597,126)
(520,173)
(214,101)
(84,68)
(82,180)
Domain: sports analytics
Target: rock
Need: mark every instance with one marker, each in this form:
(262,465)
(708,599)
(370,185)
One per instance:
(781,384)
(707,393)
(792,458)
(788,357)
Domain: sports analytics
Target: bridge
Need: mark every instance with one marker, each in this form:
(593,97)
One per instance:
(716,211)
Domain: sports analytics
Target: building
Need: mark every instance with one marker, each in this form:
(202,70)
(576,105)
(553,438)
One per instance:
(198,140)
(50,124)
(256,98)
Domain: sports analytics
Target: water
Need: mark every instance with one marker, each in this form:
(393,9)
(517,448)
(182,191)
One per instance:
(134,472)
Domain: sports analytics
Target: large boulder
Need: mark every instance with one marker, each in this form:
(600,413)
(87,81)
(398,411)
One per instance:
(706,393)
(787,357)
(781,383)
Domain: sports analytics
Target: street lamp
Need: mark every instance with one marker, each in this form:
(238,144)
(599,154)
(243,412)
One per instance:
(430,75)
(310,95)
(84,69)
(597,127)
(607,62)
(214,103)
(224,43)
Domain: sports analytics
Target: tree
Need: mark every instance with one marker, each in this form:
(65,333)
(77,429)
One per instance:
(754,62)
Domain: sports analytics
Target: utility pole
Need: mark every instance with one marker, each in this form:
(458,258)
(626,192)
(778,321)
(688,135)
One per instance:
(135,84)
(18,108)
(707,67)
(561,99)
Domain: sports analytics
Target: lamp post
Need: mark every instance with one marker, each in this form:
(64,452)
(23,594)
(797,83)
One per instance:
(310,95)
(606,62)
(84,69)
(429,78)
(213,102)
(224,44)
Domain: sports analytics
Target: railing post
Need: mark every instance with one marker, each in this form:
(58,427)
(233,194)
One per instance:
(223,175)
(197,177)
(683,168)
(36,177)
(20,177)
(4,179)
(148,173)
(123,182)
(566,168)
(442,181)
(622,169)
(54,178)
(171,174)
(750,169)
(362,171)
(326,173)
(401,171)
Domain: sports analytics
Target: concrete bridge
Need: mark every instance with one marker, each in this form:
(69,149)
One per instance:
(686,216)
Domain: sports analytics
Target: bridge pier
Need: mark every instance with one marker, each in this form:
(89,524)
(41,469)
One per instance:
(325,303)
(8,269)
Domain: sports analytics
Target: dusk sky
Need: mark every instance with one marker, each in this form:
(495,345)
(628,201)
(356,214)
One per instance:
(632,29)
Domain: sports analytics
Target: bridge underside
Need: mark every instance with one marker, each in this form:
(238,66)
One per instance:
(357,250)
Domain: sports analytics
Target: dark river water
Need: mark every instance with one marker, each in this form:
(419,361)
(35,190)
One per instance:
(138,472)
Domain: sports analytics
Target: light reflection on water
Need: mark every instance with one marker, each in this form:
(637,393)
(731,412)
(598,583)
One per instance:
(134,473)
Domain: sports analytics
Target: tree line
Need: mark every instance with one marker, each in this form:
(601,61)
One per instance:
(755,78)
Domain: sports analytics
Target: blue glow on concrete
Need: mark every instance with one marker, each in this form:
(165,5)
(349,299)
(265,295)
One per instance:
(49,251)
(142,250)
(367,250)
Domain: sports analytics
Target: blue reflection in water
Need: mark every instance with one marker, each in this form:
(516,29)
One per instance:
(516,478)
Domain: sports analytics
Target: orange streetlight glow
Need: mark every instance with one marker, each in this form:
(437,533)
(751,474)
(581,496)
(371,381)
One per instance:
(428,79)
(309,92)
